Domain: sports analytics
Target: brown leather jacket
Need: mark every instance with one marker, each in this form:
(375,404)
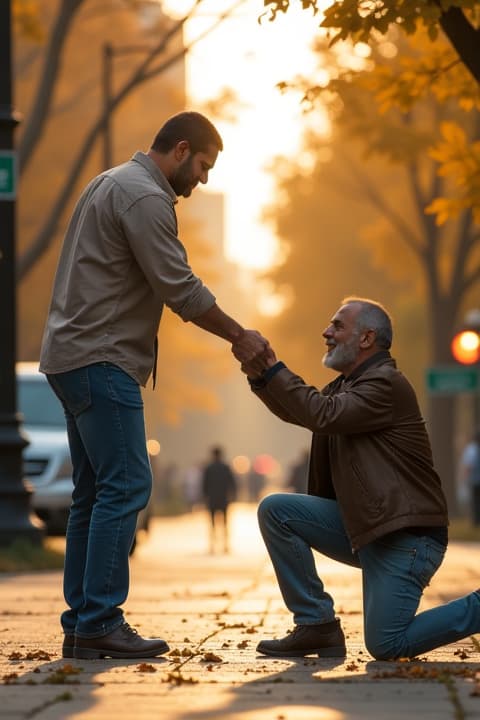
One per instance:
(370,448)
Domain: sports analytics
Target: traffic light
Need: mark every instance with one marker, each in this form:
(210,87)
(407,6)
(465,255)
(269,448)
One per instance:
(466,347)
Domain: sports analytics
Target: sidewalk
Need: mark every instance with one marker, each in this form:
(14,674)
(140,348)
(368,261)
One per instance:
(213,610)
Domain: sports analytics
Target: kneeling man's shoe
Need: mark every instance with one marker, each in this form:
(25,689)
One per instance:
(326,640)
(67,647)
(123,642)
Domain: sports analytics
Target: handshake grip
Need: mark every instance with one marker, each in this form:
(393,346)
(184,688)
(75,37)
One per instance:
(254,353)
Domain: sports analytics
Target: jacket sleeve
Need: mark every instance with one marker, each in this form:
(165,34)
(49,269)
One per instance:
(275,406)
(364,406)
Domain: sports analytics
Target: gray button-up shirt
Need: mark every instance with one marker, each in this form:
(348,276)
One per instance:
(121,262)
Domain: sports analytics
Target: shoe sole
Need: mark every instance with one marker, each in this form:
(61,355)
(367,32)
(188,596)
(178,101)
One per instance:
(99,654)
(321,652)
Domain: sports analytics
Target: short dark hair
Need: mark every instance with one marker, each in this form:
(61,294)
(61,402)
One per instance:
(373,316)
(191,126)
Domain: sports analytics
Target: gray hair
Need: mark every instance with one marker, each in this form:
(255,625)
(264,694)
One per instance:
(373,316)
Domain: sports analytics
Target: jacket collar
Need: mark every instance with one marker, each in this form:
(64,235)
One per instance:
(376,359)
(155,172)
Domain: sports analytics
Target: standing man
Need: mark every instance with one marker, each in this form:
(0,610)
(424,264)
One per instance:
(121,262)
(219,490)
(375,501)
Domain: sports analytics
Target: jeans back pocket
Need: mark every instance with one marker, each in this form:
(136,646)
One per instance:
(73,389)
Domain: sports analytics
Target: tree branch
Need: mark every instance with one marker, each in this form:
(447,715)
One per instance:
(394,218)
(140,75)
(223,16)
(464,37)
(38,115)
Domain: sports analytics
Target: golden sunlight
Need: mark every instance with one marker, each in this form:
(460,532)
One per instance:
(250,58)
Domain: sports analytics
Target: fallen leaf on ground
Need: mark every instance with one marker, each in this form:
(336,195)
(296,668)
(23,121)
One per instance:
(211,657)
(10,678)
(178,679)
(351,667)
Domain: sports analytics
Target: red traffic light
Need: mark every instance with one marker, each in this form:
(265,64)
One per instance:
(466,347)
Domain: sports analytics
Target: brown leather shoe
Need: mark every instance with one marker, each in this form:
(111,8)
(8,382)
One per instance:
(123,642)
(325,640)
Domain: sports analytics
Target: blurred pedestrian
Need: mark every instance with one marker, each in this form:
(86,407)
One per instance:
(219,490)
(298,478)
(375,501)
(255,484)
(470,476)
(192,481)
(121,262)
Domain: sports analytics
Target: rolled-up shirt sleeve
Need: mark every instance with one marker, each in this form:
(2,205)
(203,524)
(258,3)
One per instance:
(151,230)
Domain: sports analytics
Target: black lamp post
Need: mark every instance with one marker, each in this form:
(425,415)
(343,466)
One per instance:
(16,518)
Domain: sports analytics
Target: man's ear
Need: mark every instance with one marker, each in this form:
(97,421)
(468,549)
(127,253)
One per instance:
(367,339)
(182,149)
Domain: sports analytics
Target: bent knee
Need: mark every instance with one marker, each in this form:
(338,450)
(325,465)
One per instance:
(385,648)
(268,506)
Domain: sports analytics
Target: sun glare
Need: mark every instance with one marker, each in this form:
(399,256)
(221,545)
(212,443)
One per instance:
(250,58)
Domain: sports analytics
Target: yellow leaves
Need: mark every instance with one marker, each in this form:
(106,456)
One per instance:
(459,161)
(359,20)
(453,135)
(427,68)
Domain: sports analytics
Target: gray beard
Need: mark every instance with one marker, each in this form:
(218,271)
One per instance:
(341,356)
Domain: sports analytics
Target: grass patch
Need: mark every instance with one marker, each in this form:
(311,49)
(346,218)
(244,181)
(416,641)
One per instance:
(23,556)
(463,530)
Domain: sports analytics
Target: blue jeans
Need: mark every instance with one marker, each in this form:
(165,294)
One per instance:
(112,482)
(395,571)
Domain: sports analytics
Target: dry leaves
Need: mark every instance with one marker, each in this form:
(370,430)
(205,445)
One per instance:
(424,672)
(176,678)
(146,668)
(211,657)
(35,655)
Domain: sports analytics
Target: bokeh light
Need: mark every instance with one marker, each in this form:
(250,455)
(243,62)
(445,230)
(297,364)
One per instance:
(266,465)
(466,347)
(241,464)
(153,447)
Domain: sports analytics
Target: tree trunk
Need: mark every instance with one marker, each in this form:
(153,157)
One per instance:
(39,112)
(464,37)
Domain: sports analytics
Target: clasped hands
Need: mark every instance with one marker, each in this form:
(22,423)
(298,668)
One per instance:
(254,353)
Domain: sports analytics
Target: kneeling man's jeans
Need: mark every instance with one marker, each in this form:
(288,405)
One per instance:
(395,571)
(112,482)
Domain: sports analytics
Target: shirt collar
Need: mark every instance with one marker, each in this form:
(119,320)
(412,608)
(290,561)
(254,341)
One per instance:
(155,172)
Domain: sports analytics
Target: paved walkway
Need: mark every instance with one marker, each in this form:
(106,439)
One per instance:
(212,610)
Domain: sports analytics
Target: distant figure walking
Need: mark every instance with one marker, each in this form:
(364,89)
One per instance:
(298,479)
(219,490)
(470,471)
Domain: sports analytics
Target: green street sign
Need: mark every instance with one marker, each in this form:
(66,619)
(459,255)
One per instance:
(452,379)
(8,175)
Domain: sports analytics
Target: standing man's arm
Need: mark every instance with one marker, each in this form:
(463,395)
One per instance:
(248,346)
(164,263)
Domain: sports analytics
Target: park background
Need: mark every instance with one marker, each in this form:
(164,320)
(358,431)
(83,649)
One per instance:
(341,174)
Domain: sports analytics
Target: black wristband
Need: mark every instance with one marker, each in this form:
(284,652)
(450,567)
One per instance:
(266,376)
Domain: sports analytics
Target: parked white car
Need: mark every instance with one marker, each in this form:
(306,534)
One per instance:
(46,460)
